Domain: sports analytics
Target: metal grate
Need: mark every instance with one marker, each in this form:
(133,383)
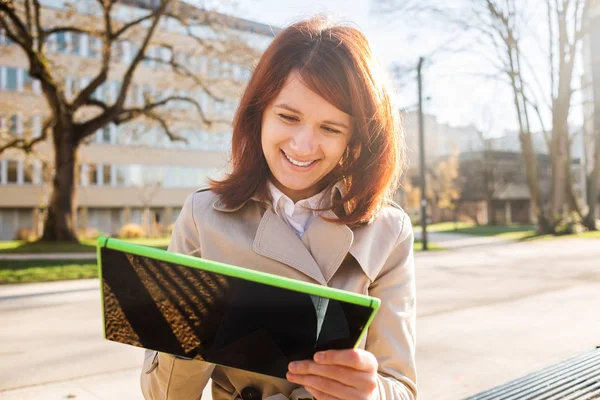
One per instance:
(577,378)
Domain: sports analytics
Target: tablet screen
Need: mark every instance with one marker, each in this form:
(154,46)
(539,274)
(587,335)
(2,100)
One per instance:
(218,318)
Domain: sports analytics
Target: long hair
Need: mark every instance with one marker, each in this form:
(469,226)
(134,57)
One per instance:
(336,62)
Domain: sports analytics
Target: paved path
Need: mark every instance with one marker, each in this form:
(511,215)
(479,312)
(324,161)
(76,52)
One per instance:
(458,241)
(485,315)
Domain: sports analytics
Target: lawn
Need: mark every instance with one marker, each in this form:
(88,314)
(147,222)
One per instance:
(26,271)
(85,246)
(507,232)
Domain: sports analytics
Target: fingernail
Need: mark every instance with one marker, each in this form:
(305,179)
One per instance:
(293,366)
(319,357)
(290,376)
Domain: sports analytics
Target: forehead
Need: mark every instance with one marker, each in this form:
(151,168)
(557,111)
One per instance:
(296,93)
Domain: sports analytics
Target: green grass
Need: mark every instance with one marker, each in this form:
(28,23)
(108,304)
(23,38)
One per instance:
(27,271)
(482,230)
(507,232)
(85,246)
(430,246)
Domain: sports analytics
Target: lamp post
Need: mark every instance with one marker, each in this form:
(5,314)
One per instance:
(422,158)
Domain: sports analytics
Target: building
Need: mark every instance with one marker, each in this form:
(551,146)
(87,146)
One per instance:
(130,173)
(440,139)
(494,186)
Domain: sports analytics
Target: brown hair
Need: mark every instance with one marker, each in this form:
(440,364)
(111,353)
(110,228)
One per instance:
(336,62)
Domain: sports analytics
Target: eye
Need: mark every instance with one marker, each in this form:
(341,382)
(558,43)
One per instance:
(287,117)
(328,129)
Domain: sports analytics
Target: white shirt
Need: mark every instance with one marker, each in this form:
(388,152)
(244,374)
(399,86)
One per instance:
(297,216)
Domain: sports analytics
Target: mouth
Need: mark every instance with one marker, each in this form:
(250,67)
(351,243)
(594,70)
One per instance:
(297,163)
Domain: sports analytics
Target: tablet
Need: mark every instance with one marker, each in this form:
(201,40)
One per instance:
(223,314)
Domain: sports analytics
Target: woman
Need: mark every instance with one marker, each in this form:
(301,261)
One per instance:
(316,152)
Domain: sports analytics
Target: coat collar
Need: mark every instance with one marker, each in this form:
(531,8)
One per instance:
(321,250)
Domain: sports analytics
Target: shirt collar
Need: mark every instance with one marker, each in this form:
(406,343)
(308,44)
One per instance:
(338,188)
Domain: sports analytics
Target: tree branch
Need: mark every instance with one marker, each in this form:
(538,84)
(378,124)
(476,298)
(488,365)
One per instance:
(183,70)
(128,25)
(25,38)
(27,145)
(75,29)
(127,115)
(165,126)
(89,127)
(96,103)
(99,79)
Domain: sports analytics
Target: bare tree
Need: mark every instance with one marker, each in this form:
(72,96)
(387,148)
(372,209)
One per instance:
(501,27)
(71,120)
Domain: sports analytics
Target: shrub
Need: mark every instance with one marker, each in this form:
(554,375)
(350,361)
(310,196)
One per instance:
(130,231)
(571,224)
(27,234)
(88,233)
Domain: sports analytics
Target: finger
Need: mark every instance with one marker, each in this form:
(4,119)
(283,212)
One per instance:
(358,359)
(345,375)
(318,395)
(332,388)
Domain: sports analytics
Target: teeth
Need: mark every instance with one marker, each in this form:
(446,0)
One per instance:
(298,163)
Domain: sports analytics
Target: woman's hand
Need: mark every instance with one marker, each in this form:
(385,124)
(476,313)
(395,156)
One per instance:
(337,375)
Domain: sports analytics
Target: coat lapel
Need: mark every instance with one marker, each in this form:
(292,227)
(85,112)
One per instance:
(328,243)
(274,239)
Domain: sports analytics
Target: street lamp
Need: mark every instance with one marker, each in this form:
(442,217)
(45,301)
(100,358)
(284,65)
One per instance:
(422,157)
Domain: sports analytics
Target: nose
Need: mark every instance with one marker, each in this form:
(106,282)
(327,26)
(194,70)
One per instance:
(304,141)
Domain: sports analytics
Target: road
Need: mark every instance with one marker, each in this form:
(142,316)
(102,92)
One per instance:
(486,314)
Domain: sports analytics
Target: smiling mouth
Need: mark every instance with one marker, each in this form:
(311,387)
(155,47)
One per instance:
(296,162)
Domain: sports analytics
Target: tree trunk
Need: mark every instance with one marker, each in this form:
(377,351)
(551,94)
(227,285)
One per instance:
(59,224)
(558,154)
(593,187)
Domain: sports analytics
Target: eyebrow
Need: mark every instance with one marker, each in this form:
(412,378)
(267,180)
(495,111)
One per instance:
(292,109)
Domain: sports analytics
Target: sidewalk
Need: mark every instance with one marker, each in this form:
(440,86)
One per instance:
(458,241)
(20,290)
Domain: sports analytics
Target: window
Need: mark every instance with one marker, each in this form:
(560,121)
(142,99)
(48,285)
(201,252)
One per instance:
(107,175)
(94,46)
(120,175)
(93,175)
(27,82)
(14,124)
(61,42)
(10,83)
(28,172)
(116,90)
(75,43)
(12,171)
(103,135)
(99,93)
(148,56)
(214,68)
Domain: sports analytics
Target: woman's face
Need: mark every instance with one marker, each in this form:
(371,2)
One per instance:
(303,138)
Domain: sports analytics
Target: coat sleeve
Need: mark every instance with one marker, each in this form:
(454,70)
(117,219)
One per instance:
(391,337)
(165,376)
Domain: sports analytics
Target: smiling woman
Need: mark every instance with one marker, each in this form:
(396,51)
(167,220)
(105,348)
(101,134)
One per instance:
(316,152)
(303,138)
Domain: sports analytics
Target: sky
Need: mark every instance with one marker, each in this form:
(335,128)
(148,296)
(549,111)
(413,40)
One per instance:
(453,96)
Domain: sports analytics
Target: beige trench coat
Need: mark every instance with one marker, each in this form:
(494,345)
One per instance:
(376,259)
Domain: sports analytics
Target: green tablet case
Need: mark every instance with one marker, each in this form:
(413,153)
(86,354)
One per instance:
(199,309)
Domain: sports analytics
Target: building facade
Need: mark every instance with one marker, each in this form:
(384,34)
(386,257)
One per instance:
(131,173)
